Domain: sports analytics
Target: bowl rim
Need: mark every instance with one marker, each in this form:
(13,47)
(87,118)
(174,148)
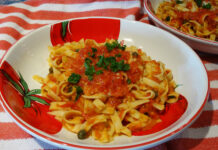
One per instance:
(60,143)
(174,30)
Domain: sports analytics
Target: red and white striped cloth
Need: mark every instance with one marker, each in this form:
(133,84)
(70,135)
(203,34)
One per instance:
(19,19)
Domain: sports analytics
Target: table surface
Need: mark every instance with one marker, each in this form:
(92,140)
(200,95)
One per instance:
(18,19)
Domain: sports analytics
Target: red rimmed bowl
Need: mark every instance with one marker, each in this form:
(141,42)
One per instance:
(29,57)
(196,43)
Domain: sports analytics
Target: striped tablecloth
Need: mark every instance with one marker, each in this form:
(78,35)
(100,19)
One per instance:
(18,19)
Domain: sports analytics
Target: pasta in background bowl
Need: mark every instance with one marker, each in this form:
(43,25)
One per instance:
(195,22)
(38,111)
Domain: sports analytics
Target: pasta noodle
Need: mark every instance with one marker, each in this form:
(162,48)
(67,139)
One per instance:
(106,89)
(195,17)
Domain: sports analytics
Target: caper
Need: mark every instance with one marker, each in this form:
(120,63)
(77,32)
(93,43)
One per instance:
(155,94)
(167,18)
(82,134)
(135,54)
(171,96)
(50,70)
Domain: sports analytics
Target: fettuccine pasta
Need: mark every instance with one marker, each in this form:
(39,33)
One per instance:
(195,17)
(106,89)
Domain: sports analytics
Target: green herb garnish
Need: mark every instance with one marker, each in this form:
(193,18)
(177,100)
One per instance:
(118,55)
(125,67)
(179,1)
(79,91)
(113,45)
(89,69)
(74,78)
(128,81)
(89,54)
(122,47)
(94,50)
(206,6)
(115,66)
(99,72)
(198,2)
(77,50)
(88,61)
(100,61)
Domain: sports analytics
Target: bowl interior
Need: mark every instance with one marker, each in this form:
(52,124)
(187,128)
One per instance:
(29,57)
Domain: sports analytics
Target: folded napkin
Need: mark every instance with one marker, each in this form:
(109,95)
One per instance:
(18,19)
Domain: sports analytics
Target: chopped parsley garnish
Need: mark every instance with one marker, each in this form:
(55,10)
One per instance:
(207,6)
(100,61)
(99,72)
(112,64)
(94,50)
(179,1)
(77,50)
(89,69)
(105,63)
(88,61)
(125,67)
(110,46)
(93,54)
(89,54)
(118,55)
(74,78)
(79,91)
(122,47)
(90,77)
(128,81)
(113,45)
(198,2)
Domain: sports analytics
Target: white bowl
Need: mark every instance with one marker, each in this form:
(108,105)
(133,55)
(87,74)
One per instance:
(29,57)
(196,43)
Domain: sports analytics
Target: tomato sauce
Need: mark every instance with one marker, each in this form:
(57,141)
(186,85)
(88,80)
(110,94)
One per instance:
(110,83)
(171,114)
(198,16)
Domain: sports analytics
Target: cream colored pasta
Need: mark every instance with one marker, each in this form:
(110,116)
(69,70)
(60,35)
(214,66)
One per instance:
(104,113)
(197,18)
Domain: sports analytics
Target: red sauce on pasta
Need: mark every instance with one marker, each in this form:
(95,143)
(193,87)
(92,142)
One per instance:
(171,114)
(197,18)
(109,82)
